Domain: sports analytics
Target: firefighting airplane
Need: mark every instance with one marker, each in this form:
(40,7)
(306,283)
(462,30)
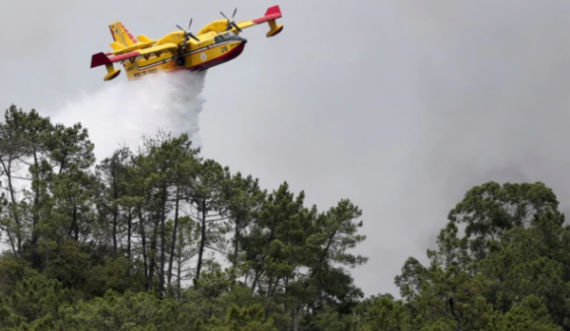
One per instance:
(216,43)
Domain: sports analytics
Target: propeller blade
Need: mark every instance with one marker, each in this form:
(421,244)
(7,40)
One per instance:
(189,24)
(178,26)
(235,10)
(237,27)
(224,15)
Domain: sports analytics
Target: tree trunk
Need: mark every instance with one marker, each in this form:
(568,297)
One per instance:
(260,271)
(7,171)
(162,240)
(74,228)
(325,252)
(202,240)
(236,244)
(129,235)
(36,259)
(143,239)
(152,252)
(179,280)
(173,242)
(115,234)
(115,208)
(256,278)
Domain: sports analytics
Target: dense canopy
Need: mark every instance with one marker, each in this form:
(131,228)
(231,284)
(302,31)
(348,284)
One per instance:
(161,239)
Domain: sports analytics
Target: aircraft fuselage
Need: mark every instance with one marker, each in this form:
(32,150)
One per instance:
(211,51)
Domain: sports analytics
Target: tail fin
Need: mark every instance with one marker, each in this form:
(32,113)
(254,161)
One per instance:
(121,35)
(273,12)
(271,15)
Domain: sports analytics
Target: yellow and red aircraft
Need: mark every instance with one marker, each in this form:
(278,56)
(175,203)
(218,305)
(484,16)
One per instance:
(216,43)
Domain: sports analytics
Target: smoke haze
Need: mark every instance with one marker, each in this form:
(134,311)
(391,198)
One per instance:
(399,105)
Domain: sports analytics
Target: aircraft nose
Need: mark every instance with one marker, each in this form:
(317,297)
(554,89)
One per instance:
(244,41)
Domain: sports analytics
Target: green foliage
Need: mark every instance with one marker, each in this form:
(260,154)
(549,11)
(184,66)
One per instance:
(137,241)
(509,271)
(160,239)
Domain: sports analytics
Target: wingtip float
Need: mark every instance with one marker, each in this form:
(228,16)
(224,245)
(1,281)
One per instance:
(216,43)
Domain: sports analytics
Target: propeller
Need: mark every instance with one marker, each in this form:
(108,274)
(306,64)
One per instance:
(231,22)
(187,33)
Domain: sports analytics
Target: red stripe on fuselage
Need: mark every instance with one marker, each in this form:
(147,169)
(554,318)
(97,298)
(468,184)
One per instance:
(203,66)
(219,60)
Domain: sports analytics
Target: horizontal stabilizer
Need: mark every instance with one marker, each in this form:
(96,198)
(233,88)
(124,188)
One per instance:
(117,46)
(144,38)
(99,59)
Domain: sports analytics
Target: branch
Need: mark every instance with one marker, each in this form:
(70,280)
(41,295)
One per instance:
(216,220)
(454,317)
(217,250)
(24,178)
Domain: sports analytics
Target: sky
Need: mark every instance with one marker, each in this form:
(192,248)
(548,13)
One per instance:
(400,106)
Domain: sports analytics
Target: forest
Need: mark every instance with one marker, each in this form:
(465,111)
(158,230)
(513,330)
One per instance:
(159,238)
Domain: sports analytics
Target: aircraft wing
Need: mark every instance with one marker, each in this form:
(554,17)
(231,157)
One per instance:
(270,16)
(100,59)
(158,49)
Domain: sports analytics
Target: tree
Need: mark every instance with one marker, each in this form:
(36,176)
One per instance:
(206,195)
(113,174)
(509,258)
(244,199)
(165,163)
(490,210)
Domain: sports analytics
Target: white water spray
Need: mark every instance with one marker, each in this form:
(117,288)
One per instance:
(122,112)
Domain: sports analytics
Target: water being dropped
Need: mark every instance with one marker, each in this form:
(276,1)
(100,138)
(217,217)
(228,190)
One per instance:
(122,112)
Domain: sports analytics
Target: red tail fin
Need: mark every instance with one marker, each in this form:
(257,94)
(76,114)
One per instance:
(275,10)
(271,14)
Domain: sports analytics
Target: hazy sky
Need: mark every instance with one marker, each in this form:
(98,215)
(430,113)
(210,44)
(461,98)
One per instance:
(400,105)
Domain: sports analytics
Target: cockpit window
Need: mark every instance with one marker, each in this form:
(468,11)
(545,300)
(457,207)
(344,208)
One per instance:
(223,36)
